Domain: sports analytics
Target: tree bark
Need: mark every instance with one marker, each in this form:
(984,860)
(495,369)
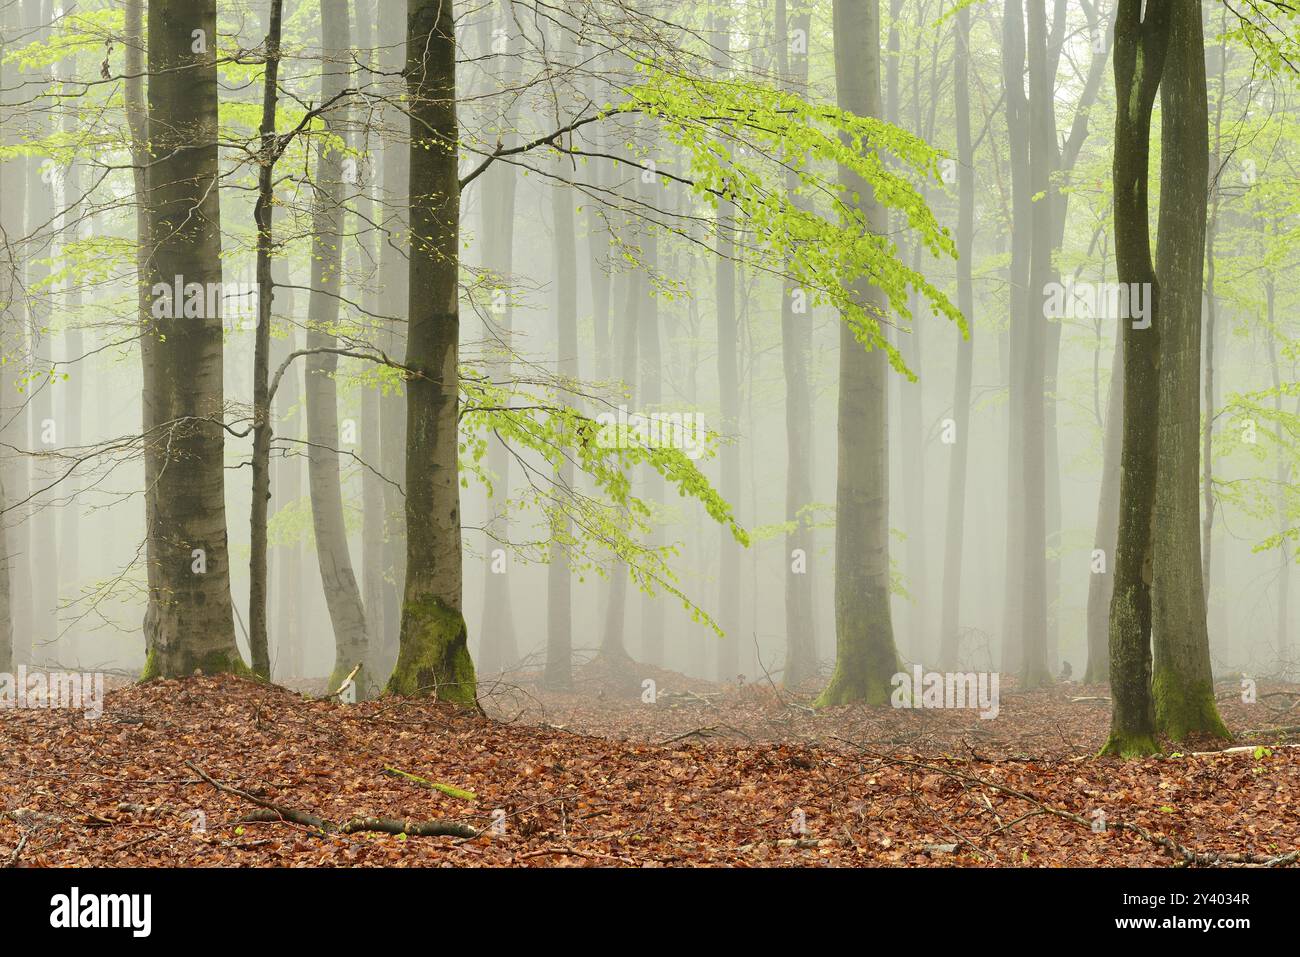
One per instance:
(796,348)
(865,656)
(194,629)
(263,426)
(949,646)
(433,657)
(1033,629)
(342,595)
(1140,47)
(1181,680)
(1101,584)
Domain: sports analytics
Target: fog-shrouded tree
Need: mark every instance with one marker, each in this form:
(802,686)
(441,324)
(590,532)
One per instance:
(433,653)
(339,581)
(191,623)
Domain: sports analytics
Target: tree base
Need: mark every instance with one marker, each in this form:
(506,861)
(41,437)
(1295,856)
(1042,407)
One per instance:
(183,665)
(1126,745)
(433,657)
(854,689)
(1182,710)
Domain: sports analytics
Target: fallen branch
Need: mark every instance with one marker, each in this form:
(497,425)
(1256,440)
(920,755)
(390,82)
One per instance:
(431,828)
(446,789)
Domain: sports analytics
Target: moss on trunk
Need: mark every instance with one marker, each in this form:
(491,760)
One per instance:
(434,657)
(1182,708)
(851,686)
(1130,745)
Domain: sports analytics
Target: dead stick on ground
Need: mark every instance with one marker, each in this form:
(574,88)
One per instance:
(382,825)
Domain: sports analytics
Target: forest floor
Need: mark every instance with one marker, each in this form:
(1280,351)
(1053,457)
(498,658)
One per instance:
(226,771)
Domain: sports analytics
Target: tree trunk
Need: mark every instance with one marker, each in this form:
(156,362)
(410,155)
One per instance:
(728,613)
(796,348)
(1033,629)
(865,656)
(499,644)
(433,656)
(263,427)
(651,396)
(949,647)
(1181,680)
(73,399)
(194,629)
(342,596)
(37,250)
(1018,132)
(287,491)
(394,272)
(558,674)
(1101,582)
(1139,61)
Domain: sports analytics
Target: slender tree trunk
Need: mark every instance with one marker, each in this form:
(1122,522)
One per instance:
(73,392)
(342,596)
(195,623)
(952,560)
(613,645)
(1018,132)
(40,388)
(373,517)
(153,396)
(499,643)
(263,426)
(1033,630)
(728,613)
(651,395)
(287,489)
(1282,475)
(559,579)
(796,347)
(1211,321)
(865,656)
(10,347)
(1101,583)
(394,274)
(433,656)
(1140,46)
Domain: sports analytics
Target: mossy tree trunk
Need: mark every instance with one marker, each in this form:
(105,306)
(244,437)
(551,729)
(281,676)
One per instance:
(433,655)
(1139,60)
(865,655)
(1182,682)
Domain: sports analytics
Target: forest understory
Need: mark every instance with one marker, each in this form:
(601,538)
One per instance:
(227,771)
